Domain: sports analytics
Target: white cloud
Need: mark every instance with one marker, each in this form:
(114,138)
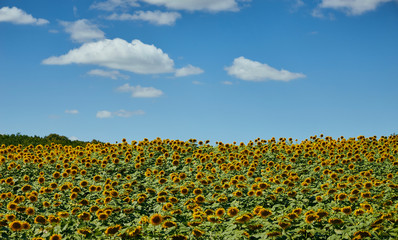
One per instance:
(73,138)
(249,70)
(73,111)
(104,114)
(120,113)
(111,5)
(351,7)
(126,114)
(155,17)
(119,54)
(140,92)
(18,16)
(190,5)
(83,31)
(197,5)
(75,11)
(108,74)
(188,70)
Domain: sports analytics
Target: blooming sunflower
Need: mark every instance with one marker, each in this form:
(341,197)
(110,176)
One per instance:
(156,219)
(232,211)
(113,230)
(56,237)
(15,226)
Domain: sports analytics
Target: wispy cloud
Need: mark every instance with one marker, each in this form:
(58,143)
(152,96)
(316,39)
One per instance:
(111,5)
(120,113)
(154,17)
(188,70)
(350,7)
(108,74)
(189,5)
(18,16)
(72,111)
(227,83)
(140,92)
(249,70)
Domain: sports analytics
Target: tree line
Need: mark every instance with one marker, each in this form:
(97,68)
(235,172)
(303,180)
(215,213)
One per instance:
(25,140)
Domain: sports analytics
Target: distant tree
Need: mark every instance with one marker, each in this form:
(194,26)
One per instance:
(24,140)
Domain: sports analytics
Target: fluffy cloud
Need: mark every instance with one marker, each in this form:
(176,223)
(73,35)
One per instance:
(83,31)
(353,7)
(118,54)
(111,5)
(73,111)
(18,16)
(104,114)
(73,138)
(121,113)
(188,70)
(249,70)
(155,17)
(108,74)
(140,92)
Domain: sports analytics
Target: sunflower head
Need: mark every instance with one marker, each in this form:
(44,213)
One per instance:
(156,219)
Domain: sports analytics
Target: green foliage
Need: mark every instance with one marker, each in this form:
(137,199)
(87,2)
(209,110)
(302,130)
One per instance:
(25,140)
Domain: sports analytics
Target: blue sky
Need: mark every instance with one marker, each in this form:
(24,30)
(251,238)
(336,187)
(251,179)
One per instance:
(225,70)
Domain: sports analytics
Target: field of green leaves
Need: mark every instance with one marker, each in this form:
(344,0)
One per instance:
(320,188)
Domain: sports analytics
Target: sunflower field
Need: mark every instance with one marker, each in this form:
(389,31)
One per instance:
(320,188)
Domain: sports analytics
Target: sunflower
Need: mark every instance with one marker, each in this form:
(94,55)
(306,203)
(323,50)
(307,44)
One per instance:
(169,224)
(113,230)
(156,219)
(197,191)
(220,212)
(178,237)
(284,225)
(84,231)
(264,213)
(10,217)
(85,216)
(84,183)
(63,214)
(25,225)
(136,231)
(274,234)
(15,226)
(212,218)
(200,199)
(56,237)
(342,196)
(46,204)
(335,221)
(54,219)
(197,233)
(346,210)
(184,190)
(30,211)
(12,206)
(362,234)
(311,217)
(41,180)
(26,188)
(73,196)
(232,211)
(40,219)
(366,195)
(292,216)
